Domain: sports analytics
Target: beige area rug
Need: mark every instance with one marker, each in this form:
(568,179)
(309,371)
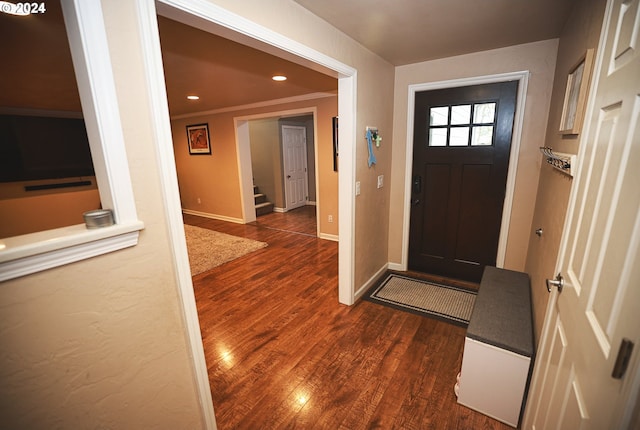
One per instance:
(208,249)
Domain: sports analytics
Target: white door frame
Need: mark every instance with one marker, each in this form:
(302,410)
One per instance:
(523,79)
(243,147)
(285,163)
(213,18)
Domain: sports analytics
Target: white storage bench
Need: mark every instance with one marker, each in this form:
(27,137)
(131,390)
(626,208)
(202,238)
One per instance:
(498,348)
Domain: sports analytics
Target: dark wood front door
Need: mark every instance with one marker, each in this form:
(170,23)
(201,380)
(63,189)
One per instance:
(462,140)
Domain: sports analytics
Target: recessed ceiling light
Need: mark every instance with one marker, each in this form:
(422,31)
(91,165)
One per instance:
(193,97)
(279,78)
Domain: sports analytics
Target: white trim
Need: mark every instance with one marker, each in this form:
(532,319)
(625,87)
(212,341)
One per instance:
(245,169)
(327,236)
(372,280)
(243,149)
(35,252)
(397,267)
(217,20)
(92,65)
(159,116)
(275,102)
(522,77)
(347,103)
(52,248)
(212,216)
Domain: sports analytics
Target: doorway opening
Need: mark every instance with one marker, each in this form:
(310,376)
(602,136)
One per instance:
(270,162)
(216,19)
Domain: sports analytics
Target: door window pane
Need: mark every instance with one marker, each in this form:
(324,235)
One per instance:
(438,137)
(484,113)
(461,114)
(482,136)
(459,136)
(439,115)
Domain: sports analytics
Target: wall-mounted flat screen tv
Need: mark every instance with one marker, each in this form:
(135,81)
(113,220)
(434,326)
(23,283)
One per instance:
(36,148)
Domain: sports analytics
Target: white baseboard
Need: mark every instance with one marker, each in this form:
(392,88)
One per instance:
(363,289)
(332,237)
(212,216)
(279,210)
(397,267)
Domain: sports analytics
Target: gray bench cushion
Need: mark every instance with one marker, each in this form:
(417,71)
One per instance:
(502,312)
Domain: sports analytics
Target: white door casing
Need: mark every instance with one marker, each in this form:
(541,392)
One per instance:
(572,384)
(294,164)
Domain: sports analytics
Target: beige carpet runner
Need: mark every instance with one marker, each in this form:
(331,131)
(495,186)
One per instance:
(208,249)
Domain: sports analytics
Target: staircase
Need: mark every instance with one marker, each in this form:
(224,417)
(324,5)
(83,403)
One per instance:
(263,206)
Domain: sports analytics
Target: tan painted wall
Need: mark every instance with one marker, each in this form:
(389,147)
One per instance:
(539,59)
(215,179)
(266,159)
(581,32)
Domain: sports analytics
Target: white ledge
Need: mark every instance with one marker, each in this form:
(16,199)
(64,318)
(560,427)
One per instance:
(35,252)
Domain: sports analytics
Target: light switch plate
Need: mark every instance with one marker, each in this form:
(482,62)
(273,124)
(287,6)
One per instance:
(380,181)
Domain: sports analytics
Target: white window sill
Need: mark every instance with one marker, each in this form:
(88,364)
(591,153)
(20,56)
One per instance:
(35,252)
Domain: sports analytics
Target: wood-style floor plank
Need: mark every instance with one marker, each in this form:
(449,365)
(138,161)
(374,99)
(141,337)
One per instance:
(282,353)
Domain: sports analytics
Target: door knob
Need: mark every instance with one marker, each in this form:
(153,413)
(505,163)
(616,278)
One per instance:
(415,202)
(558,282)
(288,176)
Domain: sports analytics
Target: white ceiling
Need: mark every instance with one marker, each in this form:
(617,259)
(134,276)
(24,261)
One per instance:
(411,31)
(37,72)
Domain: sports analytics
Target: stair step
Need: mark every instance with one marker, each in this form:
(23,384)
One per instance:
(264,208)
(259,198)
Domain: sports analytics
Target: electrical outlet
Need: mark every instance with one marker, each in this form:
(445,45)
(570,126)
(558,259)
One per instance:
(357,188)
(199,201)
(380,181)
(330,218)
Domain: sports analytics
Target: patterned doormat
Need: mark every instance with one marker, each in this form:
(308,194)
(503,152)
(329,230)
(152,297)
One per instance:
(444,302)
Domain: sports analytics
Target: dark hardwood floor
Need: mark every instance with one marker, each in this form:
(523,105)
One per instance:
(283,353)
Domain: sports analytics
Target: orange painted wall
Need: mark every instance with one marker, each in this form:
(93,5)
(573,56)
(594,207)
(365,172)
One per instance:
(214,179)
(22,214)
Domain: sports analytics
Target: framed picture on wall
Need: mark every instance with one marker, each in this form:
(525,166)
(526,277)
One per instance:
(575,97)
(198,139)
(335,143)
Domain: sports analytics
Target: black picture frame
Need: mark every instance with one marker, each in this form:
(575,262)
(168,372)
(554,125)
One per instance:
(198,139)
(334,122)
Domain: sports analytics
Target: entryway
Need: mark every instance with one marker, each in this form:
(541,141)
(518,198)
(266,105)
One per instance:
(461,150)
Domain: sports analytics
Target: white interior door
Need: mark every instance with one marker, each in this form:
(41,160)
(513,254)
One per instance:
(294,150)
(586,323)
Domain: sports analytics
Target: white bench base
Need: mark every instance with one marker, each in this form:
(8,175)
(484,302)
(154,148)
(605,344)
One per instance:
(493,381)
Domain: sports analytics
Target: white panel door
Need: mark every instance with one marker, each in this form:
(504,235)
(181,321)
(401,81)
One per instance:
(294,149)
(586,323)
